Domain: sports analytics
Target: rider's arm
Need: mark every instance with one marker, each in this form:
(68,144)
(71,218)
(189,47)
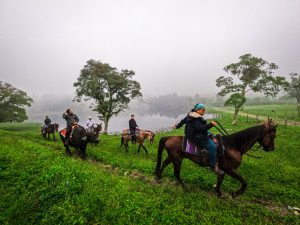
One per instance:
(181,123)
(65,115)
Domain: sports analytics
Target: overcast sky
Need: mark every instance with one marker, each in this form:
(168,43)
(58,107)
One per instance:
(173,46)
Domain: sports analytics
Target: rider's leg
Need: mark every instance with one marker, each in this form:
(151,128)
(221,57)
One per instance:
(68,131)
(212,156)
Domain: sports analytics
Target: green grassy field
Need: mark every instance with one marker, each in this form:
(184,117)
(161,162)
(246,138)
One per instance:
(40,185)
(274,111)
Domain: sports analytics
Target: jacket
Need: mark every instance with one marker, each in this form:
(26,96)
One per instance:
(132,125)
(196,128)
(47,121)
(71,119)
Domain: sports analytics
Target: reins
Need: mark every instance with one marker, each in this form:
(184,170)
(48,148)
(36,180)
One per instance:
(223,130)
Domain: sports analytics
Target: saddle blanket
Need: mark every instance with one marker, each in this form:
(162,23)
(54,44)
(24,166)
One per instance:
(63,132)
(193,149)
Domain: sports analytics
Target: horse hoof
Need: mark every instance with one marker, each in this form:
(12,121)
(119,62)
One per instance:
(234,194)
(219,195)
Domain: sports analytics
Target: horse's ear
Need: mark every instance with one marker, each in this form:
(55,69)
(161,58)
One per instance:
(267,125)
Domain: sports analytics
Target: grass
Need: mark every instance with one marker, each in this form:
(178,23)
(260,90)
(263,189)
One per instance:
(274,111)
(40,185)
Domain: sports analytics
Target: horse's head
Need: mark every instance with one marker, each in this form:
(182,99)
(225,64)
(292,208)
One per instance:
(56,127)
(267,141)
(92,137)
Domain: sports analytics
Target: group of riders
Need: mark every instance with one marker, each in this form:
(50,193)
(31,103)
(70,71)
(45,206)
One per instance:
(196,132)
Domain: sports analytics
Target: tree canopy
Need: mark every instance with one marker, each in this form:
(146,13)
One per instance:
(109,89)
(250,73)
(12,103)
(294,89)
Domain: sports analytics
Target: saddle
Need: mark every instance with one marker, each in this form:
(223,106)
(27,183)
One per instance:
(193,149)
(63,132)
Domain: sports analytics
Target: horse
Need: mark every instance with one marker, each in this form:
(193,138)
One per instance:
(230,151)
(140,138)
(51,129)
(96,129)
(78,139)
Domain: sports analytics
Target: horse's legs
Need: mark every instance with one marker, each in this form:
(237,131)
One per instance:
(68,152)
(83,152)
(177,167)
(238,177)
(126,145)
(139,148)
(219,183)
(54,137)
(167,161)
(145,149)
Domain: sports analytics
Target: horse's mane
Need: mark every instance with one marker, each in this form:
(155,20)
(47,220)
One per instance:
(239,138)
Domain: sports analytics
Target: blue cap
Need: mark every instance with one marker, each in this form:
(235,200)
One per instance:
(199,106)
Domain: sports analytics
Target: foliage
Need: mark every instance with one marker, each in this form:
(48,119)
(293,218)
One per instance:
(236,100)
(12,103)
(294,89)
(250,74)
(111,90)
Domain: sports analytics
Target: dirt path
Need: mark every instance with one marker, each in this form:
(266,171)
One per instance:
(260,117)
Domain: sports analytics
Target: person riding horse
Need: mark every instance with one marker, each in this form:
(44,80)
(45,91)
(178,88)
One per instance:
(47,123)
(90,124)
(133,128)
(196,132)
(71,119)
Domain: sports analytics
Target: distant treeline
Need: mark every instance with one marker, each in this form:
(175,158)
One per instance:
(170,105)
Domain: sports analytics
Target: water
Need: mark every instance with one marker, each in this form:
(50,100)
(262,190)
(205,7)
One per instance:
(118,124)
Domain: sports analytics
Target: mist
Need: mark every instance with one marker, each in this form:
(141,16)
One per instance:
(173,46)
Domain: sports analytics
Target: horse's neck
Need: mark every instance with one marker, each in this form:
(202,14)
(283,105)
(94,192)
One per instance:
(247,145)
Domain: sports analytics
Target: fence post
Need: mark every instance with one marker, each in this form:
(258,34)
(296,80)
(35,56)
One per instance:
(285,120)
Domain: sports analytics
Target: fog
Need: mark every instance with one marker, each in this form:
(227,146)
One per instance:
(173,46)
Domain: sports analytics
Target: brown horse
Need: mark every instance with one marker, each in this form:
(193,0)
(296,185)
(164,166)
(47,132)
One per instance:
(51,129)
(140,138)
(231,149)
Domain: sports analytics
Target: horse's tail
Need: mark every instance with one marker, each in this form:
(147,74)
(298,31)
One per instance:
(122,141)
(160,149)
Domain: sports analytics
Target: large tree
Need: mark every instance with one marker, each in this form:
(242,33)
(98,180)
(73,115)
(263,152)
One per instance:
(12,103)
(294,89)
(109,89)
(249,74)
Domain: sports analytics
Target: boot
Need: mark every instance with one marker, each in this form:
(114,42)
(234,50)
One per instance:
(216,169)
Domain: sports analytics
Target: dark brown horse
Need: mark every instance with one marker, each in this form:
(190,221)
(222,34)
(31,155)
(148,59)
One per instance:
(229,158)
(140,138)
(95,130)
(51,129)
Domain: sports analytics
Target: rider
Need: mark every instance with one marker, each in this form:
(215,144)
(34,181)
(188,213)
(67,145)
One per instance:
(196,131)
(132,127)
(47,123)
(71,119)
(90,123)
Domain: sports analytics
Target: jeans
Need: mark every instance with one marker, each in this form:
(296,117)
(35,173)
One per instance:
(212,152)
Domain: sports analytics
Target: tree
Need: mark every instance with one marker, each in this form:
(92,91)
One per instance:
(109,90)
(249,74)
(294,89)
(236,100)
(12,101)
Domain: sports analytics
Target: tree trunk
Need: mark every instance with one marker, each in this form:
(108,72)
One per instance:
(105,125)
(235,116)
(298,107)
